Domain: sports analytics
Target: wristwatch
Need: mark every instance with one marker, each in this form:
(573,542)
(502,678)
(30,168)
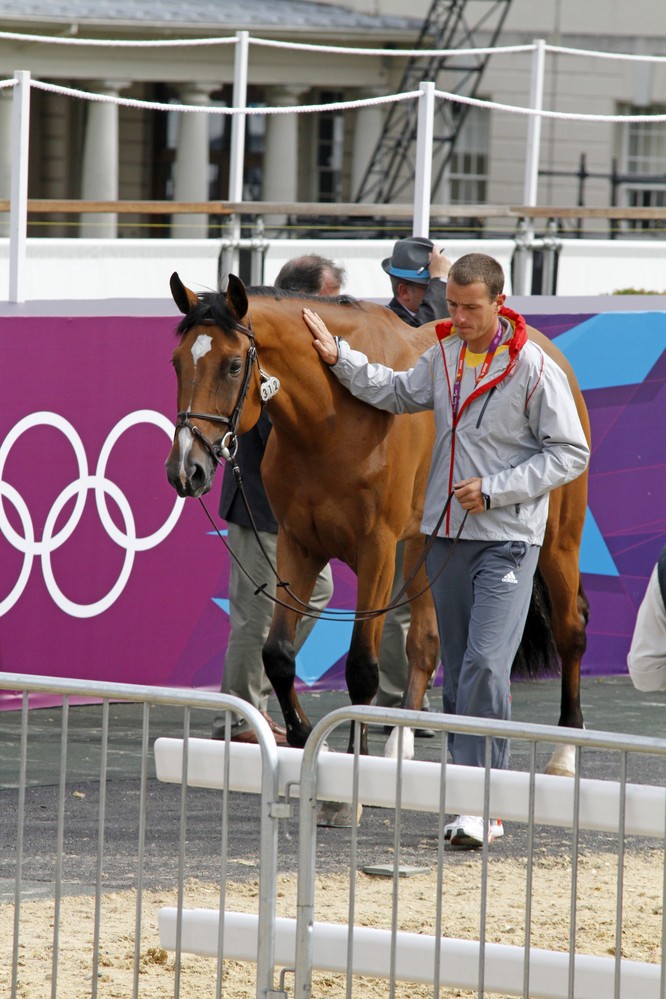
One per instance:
(486,501)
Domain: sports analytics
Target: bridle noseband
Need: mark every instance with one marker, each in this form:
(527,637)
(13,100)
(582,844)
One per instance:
(269,386)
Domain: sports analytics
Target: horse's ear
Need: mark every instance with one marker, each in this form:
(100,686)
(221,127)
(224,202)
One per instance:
(182,296)
(236,297)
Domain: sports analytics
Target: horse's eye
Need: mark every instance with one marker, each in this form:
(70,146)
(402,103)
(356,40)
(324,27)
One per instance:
(235,367)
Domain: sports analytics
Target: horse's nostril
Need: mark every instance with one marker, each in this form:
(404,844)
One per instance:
(197,477)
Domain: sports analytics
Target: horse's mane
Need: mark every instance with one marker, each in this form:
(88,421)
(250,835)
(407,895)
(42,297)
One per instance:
(268,291)
(211,309)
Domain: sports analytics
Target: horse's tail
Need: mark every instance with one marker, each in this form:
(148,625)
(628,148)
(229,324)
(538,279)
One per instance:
(537,654)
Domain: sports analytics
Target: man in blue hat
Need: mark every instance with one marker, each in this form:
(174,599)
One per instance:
(418,272)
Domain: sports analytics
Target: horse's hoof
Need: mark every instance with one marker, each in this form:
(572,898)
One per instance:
(563,762)
(338,815)
(391,748)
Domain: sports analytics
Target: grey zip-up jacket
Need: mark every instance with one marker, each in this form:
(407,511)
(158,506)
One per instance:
(518,429)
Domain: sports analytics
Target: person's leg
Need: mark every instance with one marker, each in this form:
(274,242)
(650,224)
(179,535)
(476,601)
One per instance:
(453,595)
(249,618)
(502,582)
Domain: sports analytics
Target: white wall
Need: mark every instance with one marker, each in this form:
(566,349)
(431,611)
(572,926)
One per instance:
(140,269)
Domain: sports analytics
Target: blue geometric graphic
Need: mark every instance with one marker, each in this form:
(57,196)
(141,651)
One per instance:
(614,348)
(594,554)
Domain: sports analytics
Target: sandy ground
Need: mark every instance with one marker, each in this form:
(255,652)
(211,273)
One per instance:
(595,925)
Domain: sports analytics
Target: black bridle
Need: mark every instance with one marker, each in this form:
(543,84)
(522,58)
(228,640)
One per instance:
(227,447)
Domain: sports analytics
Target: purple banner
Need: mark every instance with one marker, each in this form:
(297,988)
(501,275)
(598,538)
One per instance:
(105,574)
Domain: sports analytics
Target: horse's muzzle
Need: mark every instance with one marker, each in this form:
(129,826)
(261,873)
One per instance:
(190,471)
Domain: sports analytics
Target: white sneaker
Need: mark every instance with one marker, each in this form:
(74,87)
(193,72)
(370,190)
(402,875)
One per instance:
(467,832)
(496,828)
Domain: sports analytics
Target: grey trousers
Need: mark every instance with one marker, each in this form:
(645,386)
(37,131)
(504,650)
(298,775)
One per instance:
(482,598)
(250,617)
(393,653)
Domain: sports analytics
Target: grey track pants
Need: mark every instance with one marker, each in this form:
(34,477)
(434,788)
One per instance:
(482,598)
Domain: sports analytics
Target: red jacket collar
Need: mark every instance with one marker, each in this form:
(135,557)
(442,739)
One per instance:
(517,341)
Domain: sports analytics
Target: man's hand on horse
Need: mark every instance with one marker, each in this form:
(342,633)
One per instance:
(324,342)
(469,495)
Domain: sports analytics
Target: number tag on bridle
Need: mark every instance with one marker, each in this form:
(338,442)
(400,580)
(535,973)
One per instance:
(269,386)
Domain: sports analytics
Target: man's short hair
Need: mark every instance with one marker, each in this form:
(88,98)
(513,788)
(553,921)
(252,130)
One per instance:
(307,274)
(474,267)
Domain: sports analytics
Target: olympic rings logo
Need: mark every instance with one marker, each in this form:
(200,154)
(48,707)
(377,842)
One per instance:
(78,488)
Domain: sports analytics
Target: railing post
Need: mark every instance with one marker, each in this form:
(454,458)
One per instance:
(18,211)
(229,253)
(423,167)
(534,123)
(532,161)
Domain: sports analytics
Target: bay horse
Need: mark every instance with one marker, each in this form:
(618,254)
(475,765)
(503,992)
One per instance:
(344,480)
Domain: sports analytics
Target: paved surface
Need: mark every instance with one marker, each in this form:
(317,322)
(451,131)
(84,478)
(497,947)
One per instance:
(609,704)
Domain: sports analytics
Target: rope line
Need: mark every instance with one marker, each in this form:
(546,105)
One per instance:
(587,53)
(338,105)
(211,109)
(122,43)
(540,113)
(349,50)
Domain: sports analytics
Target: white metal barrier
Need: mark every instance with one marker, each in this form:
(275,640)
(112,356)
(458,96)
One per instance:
(527,797)
(306,943)
(99,749)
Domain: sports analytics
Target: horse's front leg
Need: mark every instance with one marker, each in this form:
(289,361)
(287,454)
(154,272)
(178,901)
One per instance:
(362,670)
(300,571)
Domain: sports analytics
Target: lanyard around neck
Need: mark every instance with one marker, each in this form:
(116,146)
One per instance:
(487,361)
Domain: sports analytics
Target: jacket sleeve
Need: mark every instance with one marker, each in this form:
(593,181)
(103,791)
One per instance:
(380,386)
(563,451)
(647,655)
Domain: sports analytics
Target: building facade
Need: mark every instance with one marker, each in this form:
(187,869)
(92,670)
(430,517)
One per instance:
(98,150)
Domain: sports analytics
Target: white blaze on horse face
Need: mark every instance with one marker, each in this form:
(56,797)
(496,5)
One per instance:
(201,346)
(185,439)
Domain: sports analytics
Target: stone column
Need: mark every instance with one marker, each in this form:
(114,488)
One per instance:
(99,175)
(191,165)
(367,130)
(6,96)
(280,176)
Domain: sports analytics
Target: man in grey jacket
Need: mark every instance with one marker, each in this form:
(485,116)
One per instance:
(507,433)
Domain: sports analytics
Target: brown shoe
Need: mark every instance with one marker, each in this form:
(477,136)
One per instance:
(275,728)
(248,736)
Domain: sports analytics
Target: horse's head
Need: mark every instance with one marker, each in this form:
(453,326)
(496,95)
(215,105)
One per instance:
(218,382)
